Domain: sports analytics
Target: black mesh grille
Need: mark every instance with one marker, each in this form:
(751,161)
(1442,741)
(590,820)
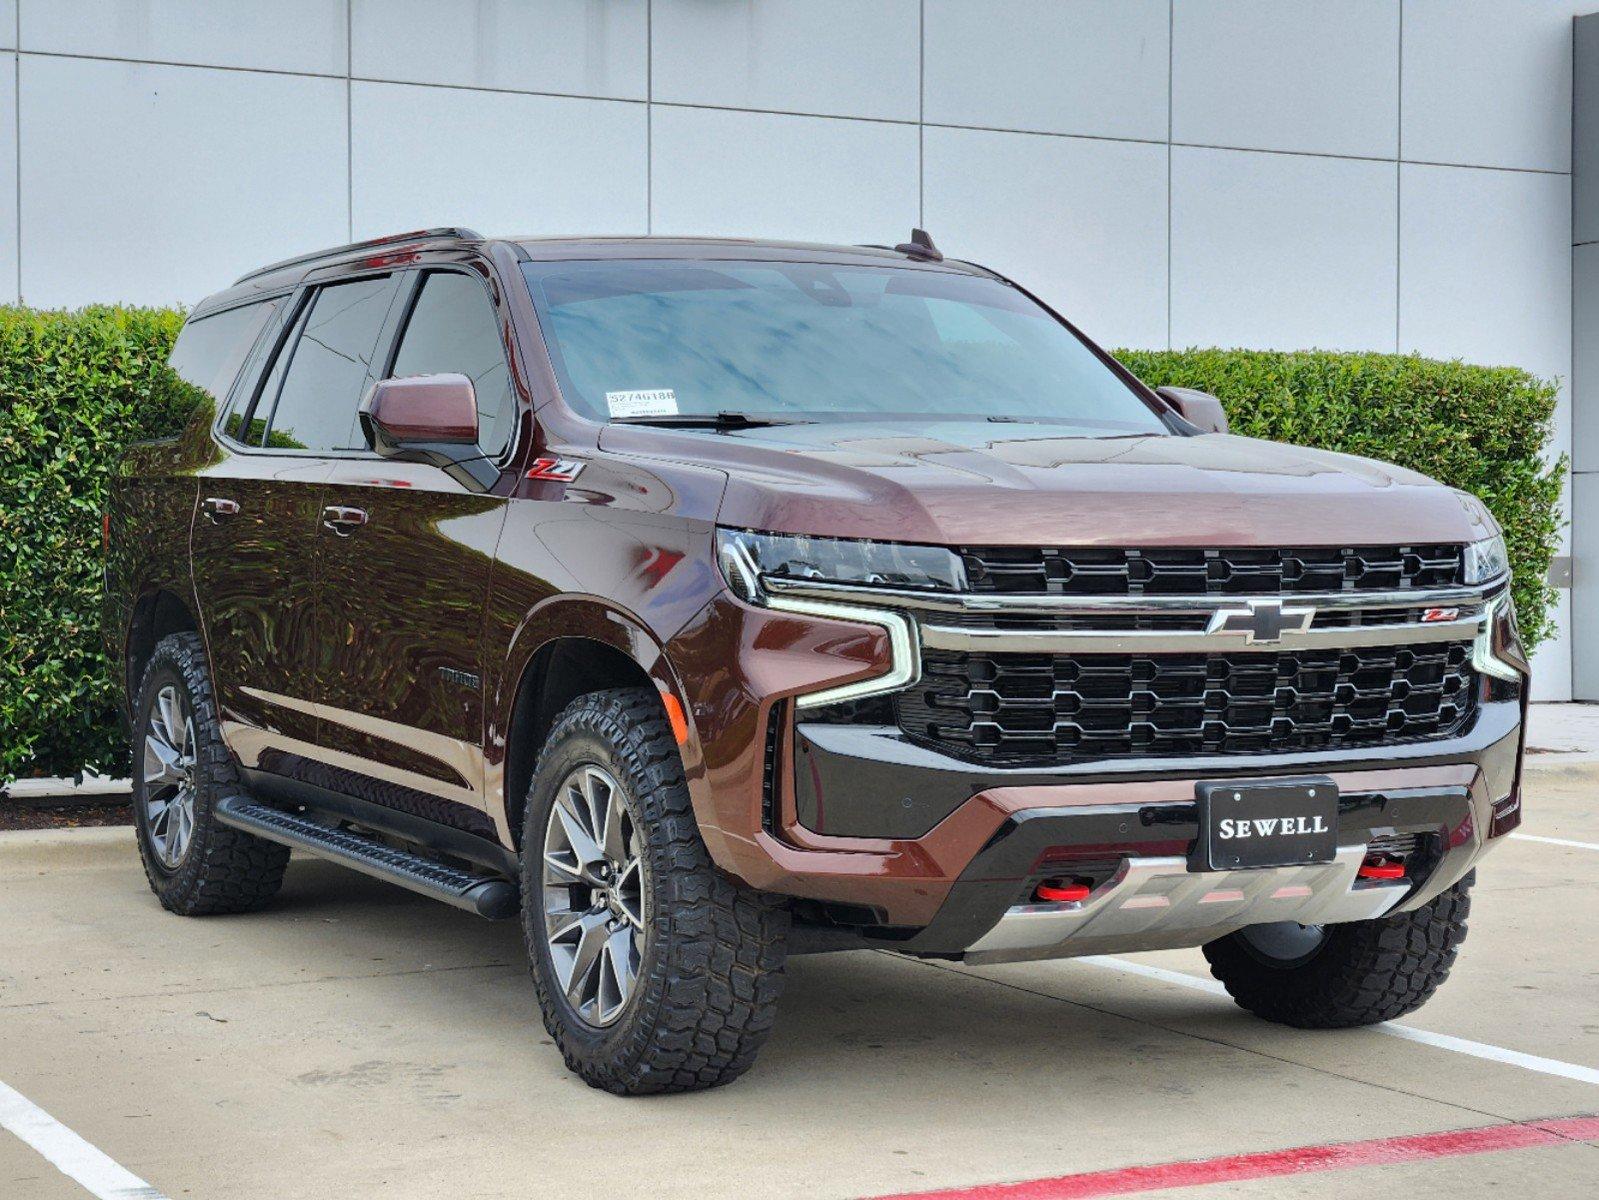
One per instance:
(1040,708)
(1197,571)
(1395,845)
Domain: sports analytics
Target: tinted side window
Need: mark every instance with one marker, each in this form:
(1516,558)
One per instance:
(453,328)
(329,362)
(234,425)
(209,351)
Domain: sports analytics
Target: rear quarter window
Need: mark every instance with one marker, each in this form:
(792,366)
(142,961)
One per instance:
(211,349)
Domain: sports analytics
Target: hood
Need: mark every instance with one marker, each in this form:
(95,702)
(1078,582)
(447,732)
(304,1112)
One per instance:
(981,483)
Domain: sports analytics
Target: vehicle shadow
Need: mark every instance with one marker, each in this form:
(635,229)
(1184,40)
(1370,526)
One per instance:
(892,1027)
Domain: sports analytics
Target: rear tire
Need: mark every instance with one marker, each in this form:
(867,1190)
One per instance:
(181,768)
(1360,973)
(689,1002)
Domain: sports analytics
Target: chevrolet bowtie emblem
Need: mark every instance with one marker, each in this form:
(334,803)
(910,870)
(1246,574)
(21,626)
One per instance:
(1262,621)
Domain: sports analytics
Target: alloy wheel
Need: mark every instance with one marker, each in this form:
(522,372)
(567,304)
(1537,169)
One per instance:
(169,776)
(594,894)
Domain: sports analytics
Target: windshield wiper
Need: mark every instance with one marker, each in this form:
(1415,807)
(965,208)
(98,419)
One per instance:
(721,420)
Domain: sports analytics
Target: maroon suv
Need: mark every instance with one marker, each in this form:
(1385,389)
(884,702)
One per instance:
(709,601)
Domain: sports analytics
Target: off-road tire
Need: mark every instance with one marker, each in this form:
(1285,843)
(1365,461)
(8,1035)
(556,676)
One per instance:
(712,970)
(1364,972)
(223,870)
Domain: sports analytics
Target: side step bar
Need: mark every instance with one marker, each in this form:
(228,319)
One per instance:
(492,898)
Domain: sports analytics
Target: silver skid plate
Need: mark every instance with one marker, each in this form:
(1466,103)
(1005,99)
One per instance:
(1155,903)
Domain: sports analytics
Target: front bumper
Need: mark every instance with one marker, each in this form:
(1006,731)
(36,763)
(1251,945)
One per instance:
(965,886)
(902,844)
(1152,900)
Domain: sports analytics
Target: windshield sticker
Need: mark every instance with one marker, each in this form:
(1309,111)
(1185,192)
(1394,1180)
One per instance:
(651,402)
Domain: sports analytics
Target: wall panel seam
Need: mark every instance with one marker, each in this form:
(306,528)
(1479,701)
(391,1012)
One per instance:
(648,101)
(649,117)
(349,118)
(1171,132)
(1399,181)
(16,133)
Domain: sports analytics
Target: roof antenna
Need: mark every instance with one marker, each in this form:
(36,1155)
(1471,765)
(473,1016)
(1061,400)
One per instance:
(920,247)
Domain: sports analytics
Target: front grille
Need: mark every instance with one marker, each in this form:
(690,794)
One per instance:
(1197,571)
(1047,709)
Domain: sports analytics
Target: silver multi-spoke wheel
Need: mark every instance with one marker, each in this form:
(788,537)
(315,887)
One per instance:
(169,776)
(655,972)
(196,866)
(595,894)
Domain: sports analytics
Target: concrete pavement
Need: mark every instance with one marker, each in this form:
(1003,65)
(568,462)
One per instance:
(357,1041)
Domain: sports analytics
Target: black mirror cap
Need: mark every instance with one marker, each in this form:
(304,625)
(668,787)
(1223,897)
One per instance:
(1200,409)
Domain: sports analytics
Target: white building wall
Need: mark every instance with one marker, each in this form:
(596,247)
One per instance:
(1353,174)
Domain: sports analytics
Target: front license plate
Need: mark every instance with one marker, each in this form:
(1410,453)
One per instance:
(1266,823)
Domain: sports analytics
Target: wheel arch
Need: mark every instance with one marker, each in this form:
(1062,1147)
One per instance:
(570,648)
(157,612)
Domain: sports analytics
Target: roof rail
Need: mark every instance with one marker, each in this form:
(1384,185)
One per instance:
(453,232)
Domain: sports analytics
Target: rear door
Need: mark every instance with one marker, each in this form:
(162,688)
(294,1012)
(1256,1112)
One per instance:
(254,537)
(404,558)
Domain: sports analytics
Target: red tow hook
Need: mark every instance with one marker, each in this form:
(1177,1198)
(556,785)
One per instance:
(1379,868)
(1062,891)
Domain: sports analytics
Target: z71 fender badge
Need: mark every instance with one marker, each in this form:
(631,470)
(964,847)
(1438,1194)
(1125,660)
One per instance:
(547,466)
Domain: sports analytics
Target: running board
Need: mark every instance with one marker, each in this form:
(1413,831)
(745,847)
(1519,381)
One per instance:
(492,898)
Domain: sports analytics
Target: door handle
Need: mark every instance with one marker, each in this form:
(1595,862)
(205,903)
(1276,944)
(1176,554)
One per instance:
(343,521)
(219,506)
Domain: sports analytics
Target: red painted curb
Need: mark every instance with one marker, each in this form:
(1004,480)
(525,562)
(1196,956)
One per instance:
(1299,1160)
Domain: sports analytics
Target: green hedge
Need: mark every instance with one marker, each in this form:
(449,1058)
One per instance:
(1483,429)
(75,388)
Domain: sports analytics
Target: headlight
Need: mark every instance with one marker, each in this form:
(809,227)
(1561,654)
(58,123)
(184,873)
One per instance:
(1486,560)
(746,556)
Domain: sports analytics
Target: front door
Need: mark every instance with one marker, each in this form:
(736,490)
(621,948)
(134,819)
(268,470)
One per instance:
(404,557)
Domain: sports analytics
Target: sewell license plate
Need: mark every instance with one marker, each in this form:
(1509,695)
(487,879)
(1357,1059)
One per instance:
(1265,823)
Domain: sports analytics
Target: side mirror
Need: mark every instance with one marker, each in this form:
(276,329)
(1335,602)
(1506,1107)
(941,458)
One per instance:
(431,419)
(1199,409)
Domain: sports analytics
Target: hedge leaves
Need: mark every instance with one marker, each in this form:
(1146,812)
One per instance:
(75,388)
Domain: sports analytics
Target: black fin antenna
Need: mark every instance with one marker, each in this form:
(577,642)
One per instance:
(921,246)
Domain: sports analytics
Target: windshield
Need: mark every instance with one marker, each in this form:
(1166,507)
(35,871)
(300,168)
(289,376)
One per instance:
(658,339)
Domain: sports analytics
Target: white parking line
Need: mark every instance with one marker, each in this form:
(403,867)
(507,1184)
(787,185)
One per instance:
(1514,1058)
(1549,841)
(68,1152)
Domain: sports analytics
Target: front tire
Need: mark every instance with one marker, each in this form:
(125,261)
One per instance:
(654,971)
(181,768)
(1359,973)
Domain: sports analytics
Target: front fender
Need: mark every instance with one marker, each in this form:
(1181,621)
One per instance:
(569,617)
